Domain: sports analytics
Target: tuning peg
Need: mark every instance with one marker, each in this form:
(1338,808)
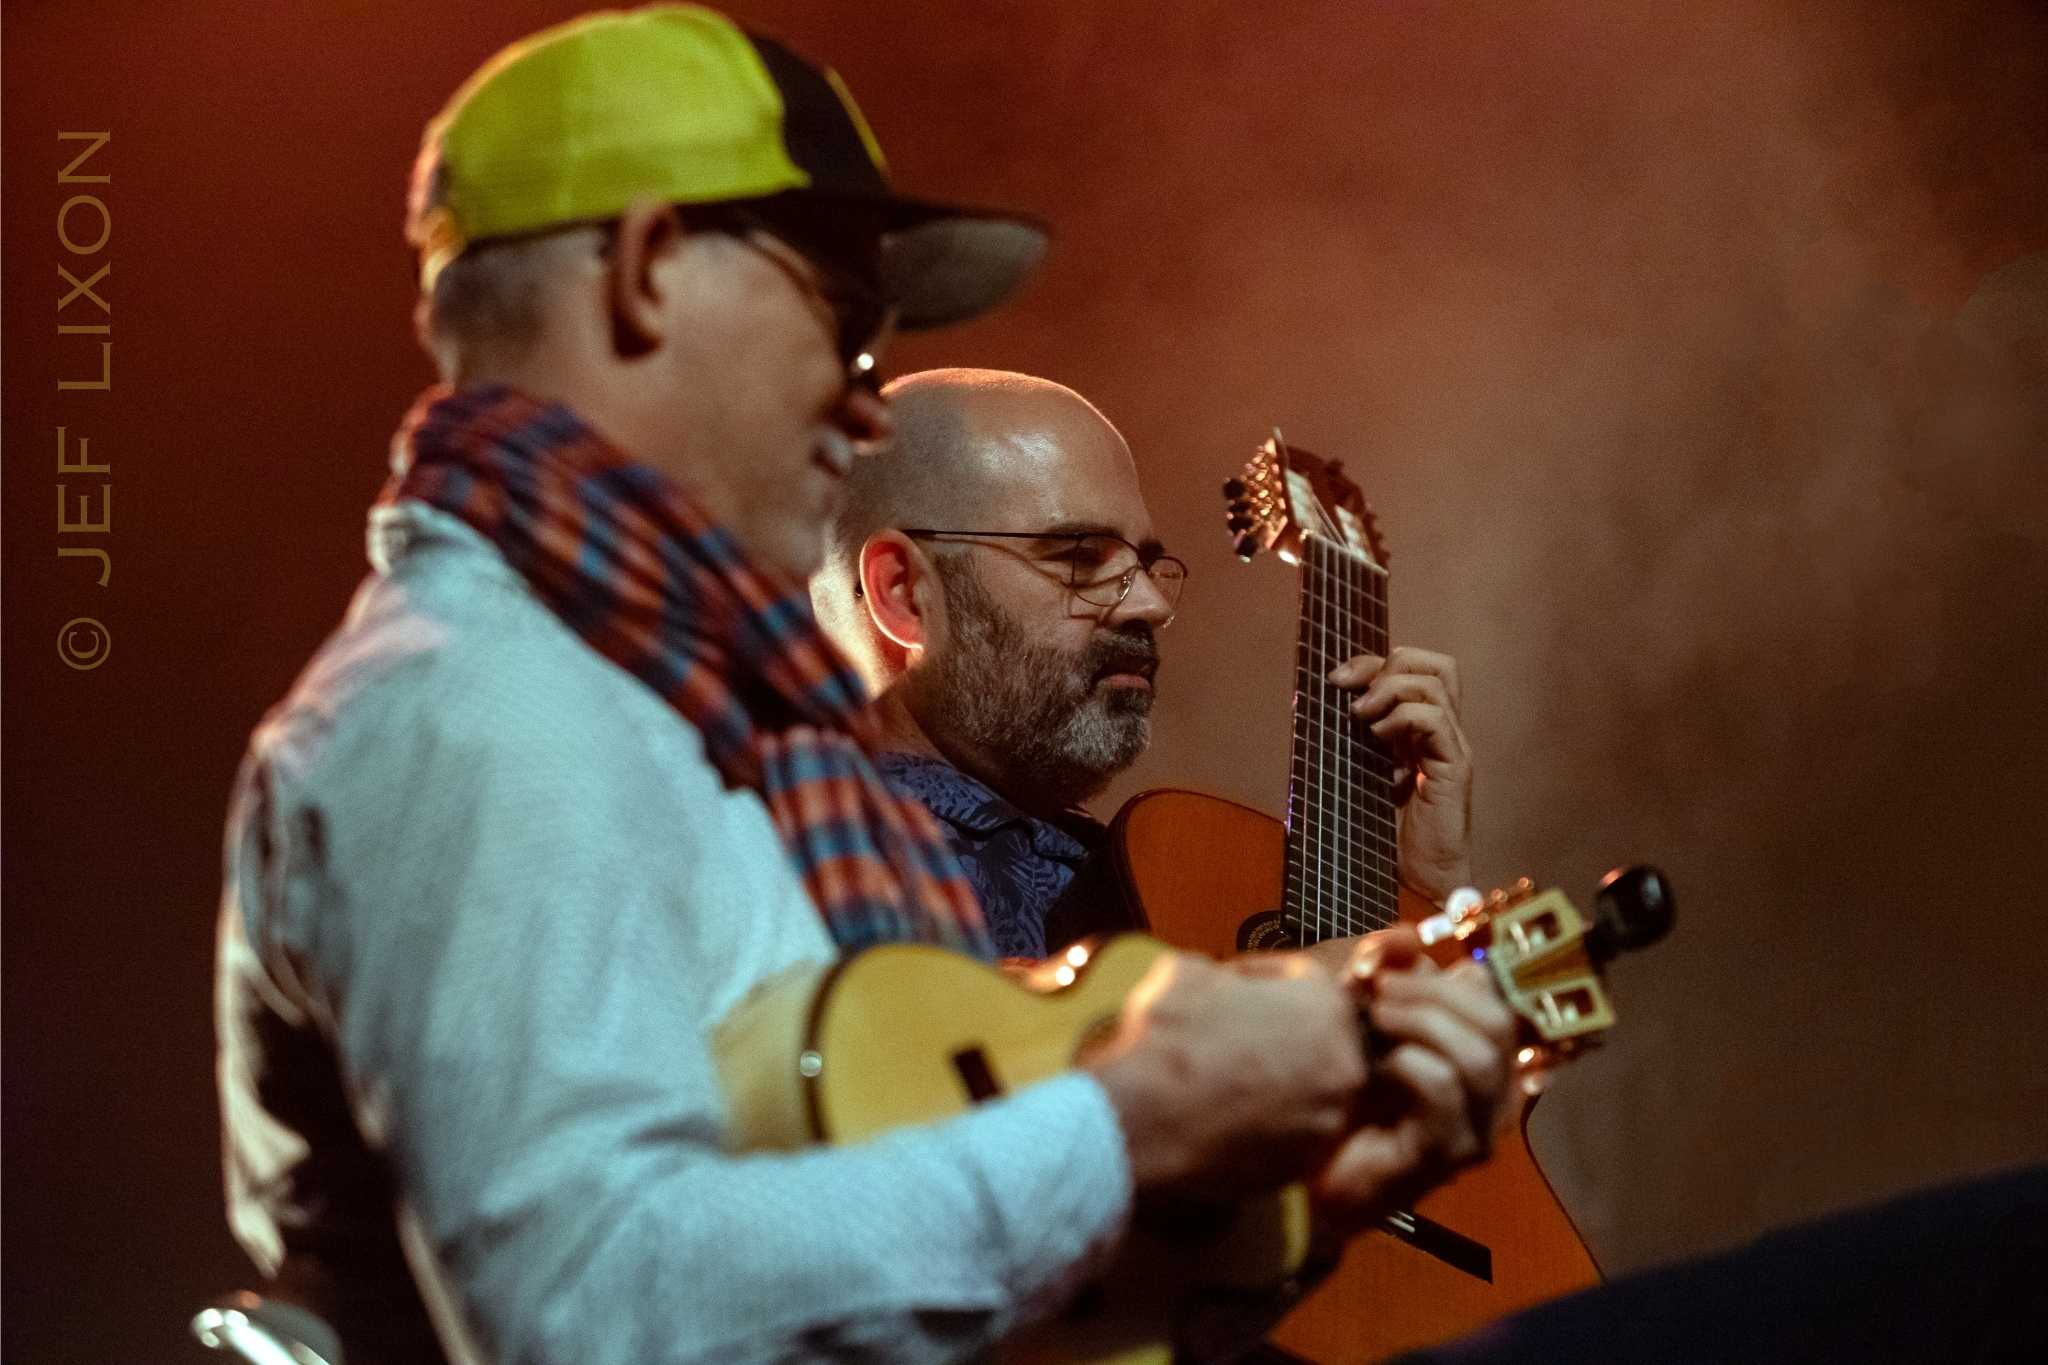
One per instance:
(1247,546)
(1240,522)
(1233,488)
(1633,909)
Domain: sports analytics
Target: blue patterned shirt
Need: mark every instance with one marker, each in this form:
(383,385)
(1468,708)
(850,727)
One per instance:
(1022,867)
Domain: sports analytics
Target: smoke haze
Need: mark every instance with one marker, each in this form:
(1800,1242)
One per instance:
(1692,355)
(1695,363)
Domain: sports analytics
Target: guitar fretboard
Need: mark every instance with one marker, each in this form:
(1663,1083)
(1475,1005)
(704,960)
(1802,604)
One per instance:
(1342,861)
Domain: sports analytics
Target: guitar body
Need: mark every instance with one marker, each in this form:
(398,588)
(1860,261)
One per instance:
(1197,868)
(905,1034)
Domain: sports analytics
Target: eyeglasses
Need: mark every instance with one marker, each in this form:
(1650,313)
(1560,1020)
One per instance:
(848,298)
(843,285)
(1100,568)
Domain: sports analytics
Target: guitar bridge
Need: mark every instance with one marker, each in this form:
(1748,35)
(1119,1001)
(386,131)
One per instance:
(1432,1238)
(972,1065)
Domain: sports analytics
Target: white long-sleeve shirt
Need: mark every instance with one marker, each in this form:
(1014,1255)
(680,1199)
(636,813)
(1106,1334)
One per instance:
(486,900)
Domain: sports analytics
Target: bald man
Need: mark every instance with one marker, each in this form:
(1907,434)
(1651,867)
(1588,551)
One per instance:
(997,579)
(1012,686)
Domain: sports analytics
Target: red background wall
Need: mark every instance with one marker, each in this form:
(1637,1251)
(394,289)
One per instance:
(1693,357)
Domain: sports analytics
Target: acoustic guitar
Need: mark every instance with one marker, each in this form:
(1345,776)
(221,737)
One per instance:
(905,1034)
(1217,877)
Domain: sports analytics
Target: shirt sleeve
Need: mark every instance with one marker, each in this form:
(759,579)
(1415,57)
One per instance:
(518,936)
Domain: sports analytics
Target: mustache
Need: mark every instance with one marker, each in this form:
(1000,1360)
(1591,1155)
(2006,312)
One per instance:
(1129,649)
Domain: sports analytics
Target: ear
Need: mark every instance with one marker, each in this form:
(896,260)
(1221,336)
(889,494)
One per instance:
(644,241)
(422,314)
(423,332)
(900,590)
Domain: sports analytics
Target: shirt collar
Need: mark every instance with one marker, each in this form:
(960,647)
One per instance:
(972,806)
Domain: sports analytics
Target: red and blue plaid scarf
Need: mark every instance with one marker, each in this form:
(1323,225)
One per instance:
(635,567)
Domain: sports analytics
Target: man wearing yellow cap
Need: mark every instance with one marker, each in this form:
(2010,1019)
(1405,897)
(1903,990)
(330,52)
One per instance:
(578,771)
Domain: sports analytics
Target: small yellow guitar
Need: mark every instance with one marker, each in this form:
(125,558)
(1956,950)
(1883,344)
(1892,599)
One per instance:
(906,1034)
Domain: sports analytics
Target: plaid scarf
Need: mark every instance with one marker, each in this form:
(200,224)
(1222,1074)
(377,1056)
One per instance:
(635,568)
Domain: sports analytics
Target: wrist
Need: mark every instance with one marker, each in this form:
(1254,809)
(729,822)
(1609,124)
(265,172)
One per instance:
(1435,886)
(1140,1100)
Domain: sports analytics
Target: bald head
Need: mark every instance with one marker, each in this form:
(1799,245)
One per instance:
(971,444)
(978,645)
(977,450)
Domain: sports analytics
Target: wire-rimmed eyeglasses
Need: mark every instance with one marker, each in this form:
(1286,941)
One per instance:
(1100,567)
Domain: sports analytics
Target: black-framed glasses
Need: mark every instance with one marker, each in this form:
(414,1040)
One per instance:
(1100,568)
(847,293)
(843,285)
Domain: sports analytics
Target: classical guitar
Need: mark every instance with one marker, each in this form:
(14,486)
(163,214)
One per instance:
(1217,877)
(905,1034)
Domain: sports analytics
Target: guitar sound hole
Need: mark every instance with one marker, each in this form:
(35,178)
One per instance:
(1266,933)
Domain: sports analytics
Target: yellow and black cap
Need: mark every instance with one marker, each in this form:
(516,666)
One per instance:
(678,103)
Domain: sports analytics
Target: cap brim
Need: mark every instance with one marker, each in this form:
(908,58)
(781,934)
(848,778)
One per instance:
(942,264)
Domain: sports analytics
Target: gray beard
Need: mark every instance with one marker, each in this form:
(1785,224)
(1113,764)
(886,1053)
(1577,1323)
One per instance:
(1030,708)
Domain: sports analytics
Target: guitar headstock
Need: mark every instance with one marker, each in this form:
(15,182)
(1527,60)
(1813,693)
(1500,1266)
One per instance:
(1547,957)
(1287,496)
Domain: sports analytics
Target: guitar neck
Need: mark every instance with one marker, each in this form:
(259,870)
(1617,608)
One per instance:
(1342,874)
